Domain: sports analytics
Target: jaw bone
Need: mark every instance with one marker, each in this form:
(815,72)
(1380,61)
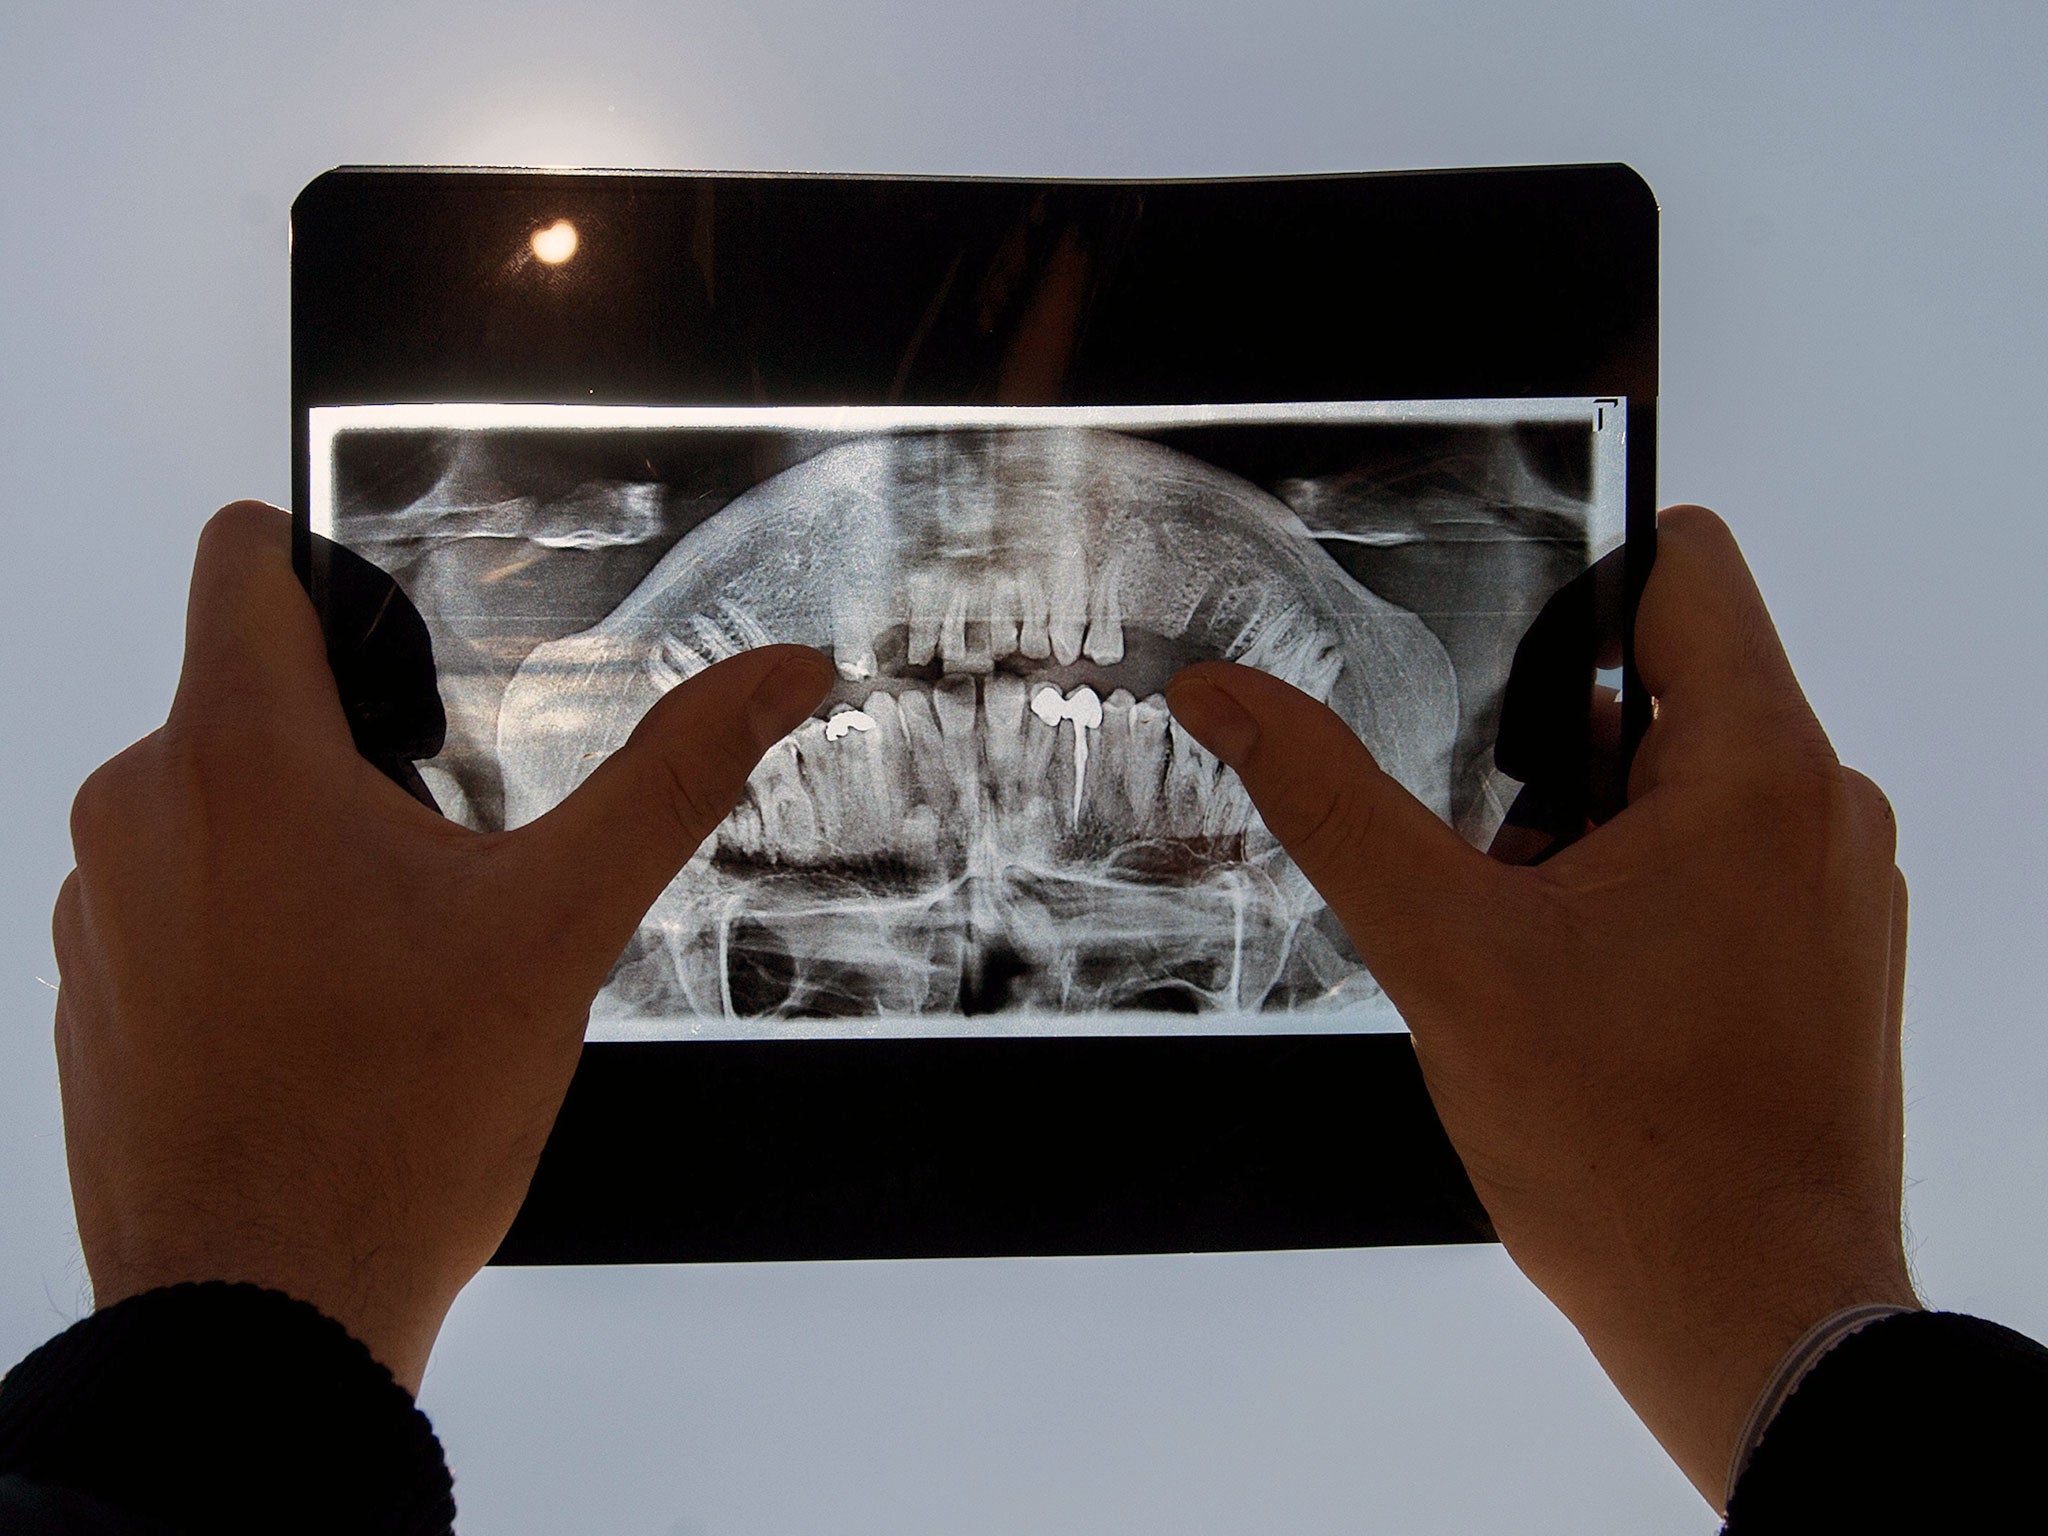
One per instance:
(1000,797)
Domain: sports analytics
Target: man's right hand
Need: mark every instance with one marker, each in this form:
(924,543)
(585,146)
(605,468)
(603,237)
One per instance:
(311,1036)
(1669,1056)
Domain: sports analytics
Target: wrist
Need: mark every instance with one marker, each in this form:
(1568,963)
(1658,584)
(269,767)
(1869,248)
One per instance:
(1696,1366)
(1691,1310)
(1834,1329)
(396,1323)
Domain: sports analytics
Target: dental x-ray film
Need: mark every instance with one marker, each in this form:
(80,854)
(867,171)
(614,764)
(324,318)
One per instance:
(992,825)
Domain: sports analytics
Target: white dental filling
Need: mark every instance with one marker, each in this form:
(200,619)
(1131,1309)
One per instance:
(1084,709)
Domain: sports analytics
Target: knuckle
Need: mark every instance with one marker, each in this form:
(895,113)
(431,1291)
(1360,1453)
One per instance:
(694,793)
(1337,830)
(102,800)
(150,784)
(1789,800)
(66,918)
(1816,813)
(1873,808)
(89,810)
(213,731)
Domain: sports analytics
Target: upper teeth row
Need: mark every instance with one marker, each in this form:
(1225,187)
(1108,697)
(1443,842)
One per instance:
(972,622)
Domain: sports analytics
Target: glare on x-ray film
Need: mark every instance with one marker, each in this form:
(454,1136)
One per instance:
(993,824)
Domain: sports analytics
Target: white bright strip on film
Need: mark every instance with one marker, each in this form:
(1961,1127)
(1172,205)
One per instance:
(1605,419)
(1608,417)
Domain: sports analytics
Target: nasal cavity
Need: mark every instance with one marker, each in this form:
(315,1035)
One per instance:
(989,985)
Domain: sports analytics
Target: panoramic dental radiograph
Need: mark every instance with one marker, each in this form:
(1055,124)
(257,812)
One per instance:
(992,823)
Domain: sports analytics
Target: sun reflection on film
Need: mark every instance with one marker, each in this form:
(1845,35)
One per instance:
(556,243)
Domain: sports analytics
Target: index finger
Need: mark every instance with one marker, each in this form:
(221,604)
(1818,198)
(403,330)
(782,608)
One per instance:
(253,644)
(1403,884)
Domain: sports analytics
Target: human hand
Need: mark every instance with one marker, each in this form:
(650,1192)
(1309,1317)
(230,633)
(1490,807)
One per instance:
(1668,1056)
(310,1034)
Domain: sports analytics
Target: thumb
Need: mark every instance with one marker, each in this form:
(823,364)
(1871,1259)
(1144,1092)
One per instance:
(611,847)
(1404,885)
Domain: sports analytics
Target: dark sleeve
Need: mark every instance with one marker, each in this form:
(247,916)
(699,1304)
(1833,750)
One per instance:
(1927,1421)
(217,1408)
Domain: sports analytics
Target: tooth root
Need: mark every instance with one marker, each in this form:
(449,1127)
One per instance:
(1041,740)
(1280,640)
(817,759)
(1190,771)
(859,619)
(927,752)
(669,661)
(953,630)
(740,833)
(1297,649)
(1109,760)
(1319,679)
(1004,700)
(963,638)
(1145,767)
(1079,748)
(888,760)
(1002,617)
(1229,809)
(748,633)
(853,634)
(789,821)
(1082,709)
(921,835)
(1105,644)
(953,704)
(1067,622)
(1032,612)
(856,663)
(709,640)
(924,602)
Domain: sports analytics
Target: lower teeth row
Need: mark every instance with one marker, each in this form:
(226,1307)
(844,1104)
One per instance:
(1005,768)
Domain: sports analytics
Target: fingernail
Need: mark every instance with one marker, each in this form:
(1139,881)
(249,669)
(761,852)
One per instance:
(1213,718)
(785,696)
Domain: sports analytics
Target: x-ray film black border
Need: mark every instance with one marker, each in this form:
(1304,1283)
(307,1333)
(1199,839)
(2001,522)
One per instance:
(965,1148)
(1437,285)
(1112,1144)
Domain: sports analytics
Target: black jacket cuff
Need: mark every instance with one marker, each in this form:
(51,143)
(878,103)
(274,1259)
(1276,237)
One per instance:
(1926,1421)
(225,1408)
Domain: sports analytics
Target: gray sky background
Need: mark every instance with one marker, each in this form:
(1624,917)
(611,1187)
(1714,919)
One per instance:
(1855,371)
